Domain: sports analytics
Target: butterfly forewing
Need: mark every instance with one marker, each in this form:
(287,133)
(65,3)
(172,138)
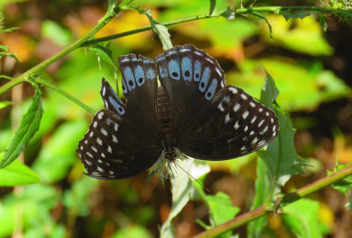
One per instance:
(139,79)
(190,78)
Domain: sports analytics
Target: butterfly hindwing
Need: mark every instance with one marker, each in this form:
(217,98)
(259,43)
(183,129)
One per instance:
(113,148)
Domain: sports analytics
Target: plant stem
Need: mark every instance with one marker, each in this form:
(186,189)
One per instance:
(275,10)
(64,93)
(24,77)
(85,41)
(287,199)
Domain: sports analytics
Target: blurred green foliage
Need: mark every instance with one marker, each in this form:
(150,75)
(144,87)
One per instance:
(63,197)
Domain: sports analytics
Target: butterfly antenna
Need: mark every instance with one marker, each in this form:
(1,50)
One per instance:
(208,190)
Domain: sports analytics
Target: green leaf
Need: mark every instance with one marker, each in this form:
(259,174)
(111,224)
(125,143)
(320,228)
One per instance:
(5,104)
(57,157)
(181,188)
(262,188)
(103,52)
(261,16)
(228,13)
(17,174)
(159,29)
(323,23)
(345,184)
(212,7)
(26,130)
(221,208)
(292,14)
(132,231)
(77,198)
(303,224)
(280,155)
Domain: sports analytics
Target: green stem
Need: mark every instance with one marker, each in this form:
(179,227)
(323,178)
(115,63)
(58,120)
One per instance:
(64,93)
(84,41)
(287,199)
(275,10)
(24,77)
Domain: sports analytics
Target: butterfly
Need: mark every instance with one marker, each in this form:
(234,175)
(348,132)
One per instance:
(193,113)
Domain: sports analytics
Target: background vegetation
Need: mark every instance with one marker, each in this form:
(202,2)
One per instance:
(309,56)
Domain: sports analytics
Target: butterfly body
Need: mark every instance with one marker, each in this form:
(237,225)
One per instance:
(192,112)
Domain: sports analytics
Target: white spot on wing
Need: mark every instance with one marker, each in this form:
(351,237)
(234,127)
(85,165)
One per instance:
(245,114)
(236,107)
(261,123)
(100,115)
(95,149)
(209,60)
(125,60)
(227,118)
(264,130)
(252,104)
(184,50)
(244,97)
(99,141)
(89,154)
(253,119)
(218,71)
(221,108)
(88,162)
(109,149)
(95,173)
(233,90)
(236,126)
(255,140)
(114,139)
(105,133)
(101,170)
(261,143)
